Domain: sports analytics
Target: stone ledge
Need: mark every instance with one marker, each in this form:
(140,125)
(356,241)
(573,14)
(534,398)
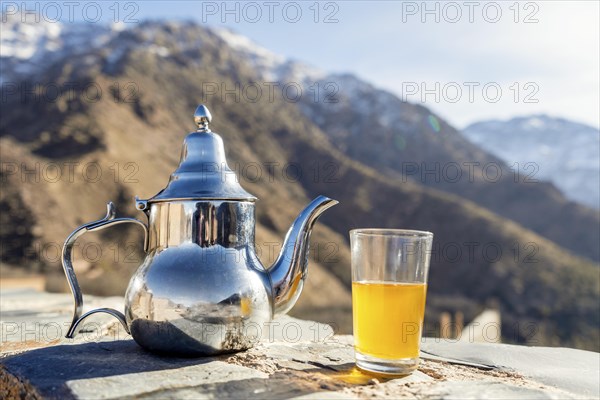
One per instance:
(112,366)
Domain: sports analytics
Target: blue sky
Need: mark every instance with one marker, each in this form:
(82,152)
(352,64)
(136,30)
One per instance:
(465,60)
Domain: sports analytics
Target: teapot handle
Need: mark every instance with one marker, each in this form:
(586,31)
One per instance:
(109,219)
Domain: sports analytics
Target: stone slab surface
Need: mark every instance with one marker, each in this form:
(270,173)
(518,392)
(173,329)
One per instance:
(572,370)
(296,359)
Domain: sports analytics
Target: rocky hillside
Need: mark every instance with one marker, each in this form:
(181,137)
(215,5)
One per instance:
(408,142)
(87,149)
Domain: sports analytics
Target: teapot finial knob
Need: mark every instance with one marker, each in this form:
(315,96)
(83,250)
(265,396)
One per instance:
(202,118)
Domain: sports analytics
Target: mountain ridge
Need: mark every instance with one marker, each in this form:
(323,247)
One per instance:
(359,111)
(559,150)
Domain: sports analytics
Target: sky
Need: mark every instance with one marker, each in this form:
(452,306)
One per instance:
(466,60)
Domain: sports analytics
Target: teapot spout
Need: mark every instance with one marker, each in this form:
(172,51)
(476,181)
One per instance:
(290,269)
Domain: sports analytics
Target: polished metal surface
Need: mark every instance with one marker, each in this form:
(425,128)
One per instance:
(290,269)
(201,289)
(202,117)
(109,219)
(203,172)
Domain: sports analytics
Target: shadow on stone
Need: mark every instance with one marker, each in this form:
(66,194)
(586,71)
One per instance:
(49,369)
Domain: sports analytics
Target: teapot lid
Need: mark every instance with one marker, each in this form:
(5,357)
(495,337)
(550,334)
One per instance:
(203,172)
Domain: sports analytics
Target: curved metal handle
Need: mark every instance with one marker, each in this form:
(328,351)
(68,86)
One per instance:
(109,219)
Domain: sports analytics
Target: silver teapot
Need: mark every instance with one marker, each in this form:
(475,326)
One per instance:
(201,289)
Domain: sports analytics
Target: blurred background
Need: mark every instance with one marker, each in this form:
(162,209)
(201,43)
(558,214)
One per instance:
(477,121)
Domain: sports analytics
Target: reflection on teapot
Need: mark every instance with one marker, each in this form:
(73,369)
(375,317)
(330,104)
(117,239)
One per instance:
(201,289)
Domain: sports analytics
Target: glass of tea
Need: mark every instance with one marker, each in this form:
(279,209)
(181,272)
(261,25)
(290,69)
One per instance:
(389,286)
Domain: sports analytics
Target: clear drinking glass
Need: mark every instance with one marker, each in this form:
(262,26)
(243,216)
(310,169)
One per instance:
(389,286)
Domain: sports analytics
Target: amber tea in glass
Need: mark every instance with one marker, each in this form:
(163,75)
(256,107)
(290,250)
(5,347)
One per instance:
(389,287)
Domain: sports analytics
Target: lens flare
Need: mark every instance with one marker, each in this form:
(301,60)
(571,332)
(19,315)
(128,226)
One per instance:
(434,123)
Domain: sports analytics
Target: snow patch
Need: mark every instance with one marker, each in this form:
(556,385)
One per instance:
(564,152)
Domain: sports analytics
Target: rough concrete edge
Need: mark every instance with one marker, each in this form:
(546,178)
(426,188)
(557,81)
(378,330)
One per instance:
(13,387)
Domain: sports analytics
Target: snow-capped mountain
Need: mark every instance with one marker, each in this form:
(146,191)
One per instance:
(320,89)
(28,48)
(564,152)
(269,65)
(405,140)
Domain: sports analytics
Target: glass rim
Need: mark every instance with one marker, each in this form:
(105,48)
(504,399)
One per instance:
(405,233)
